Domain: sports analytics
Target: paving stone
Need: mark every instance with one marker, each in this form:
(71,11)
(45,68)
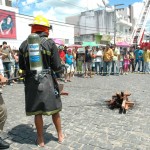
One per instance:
(76,145)
(87,147)
(86,120)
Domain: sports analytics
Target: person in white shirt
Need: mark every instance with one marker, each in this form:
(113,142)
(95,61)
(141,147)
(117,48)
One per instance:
(115,62)
(98,61)
(2,56)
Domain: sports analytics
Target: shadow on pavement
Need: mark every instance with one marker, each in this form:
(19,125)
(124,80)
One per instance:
(26,134)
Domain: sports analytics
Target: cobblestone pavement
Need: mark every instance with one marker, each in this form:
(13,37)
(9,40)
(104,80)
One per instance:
(86,121)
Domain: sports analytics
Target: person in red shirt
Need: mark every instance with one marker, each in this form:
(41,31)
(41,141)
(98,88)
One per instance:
(61,54)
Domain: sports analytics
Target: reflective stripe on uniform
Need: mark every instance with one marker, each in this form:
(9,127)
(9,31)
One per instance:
(46,52)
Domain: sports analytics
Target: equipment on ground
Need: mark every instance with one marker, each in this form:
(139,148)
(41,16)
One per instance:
(121,101)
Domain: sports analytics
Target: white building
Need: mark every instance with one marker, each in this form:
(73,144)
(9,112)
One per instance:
(98,25)
(61,31)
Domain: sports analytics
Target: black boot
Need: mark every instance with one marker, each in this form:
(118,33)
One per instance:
(120,110)
(124,111)
(3,144)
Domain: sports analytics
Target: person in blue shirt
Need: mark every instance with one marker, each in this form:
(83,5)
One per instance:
(139,58)
(69,65)
(6,25)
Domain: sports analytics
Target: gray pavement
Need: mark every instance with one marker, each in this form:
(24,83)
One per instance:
(86,121)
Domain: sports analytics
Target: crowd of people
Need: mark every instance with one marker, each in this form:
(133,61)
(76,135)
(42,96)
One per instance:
(8,61)
(105,61)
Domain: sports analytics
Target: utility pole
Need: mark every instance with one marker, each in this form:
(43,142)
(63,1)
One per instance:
(115,21)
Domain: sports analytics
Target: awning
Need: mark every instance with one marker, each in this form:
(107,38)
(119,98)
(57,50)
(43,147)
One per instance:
(123,44)
(89,44)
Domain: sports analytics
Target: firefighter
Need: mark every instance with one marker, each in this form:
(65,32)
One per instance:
(42,96)
(3,115)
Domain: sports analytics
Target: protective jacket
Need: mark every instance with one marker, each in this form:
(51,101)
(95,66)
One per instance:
(42,94)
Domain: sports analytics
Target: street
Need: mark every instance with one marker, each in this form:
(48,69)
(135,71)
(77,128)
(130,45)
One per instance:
(86,121)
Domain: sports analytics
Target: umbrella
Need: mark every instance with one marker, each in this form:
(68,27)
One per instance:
(59,41)
(123,44)
(89,44)
(75,45)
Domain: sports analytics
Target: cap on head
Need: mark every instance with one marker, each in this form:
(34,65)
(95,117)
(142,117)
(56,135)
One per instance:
(69,50)
(41,20)
(61,47)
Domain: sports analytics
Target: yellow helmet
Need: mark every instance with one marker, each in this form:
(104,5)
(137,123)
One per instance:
(40,20)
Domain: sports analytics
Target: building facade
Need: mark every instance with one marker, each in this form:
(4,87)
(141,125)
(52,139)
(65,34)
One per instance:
(102,25)
(20,28)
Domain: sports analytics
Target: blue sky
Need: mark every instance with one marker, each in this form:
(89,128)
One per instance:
(59,9)
(126,2)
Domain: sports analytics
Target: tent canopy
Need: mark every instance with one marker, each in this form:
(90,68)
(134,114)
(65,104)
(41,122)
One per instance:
(59,41)
(89,44)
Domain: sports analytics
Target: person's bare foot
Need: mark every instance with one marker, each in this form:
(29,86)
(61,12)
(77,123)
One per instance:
(61,138)
(40,143)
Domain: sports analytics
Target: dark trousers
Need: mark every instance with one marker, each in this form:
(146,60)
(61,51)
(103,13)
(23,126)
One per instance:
(139,62)
(98,66)
(107,68)
(132,64)
(16,69)
(7,68)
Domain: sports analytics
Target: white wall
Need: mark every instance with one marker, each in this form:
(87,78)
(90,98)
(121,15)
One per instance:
(60,30)
(101,22)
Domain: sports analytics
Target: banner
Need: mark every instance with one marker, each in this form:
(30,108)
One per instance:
(106,37)
(7,24)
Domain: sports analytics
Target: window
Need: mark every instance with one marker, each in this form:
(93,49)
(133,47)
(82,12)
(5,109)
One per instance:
(0,2)
(8,2)
(66,41)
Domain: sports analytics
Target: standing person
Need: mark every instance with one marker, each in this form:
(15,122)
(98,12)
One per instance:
(42,96)
(69,66)
(88,62)
(7,61)
(16,58)
(74,54)
(121,57)
(132,58)
(98,61)
(80,61)
(126,63)
(65,49)
(146,56)
(2,57)
(115,62)
(138,58)
(1,61)
(61,54)
(93,55)
(3,115)
(62,57)
(107,60)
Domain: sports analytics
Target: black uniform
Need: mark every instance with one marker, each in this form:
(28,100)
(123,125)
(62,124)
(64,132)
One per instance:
(42,94)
